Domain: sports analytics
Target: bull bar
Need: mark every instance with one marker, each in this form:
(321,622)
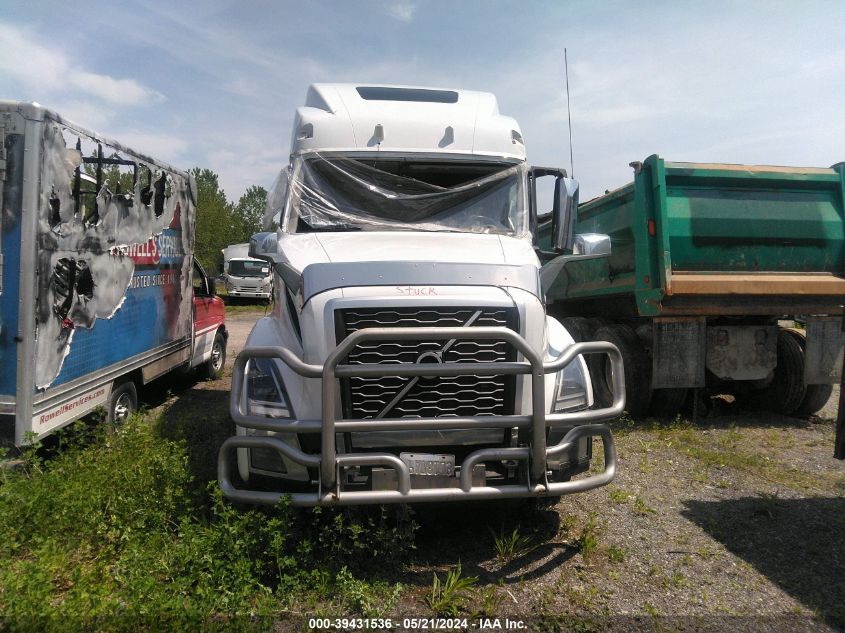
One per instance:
(329,463)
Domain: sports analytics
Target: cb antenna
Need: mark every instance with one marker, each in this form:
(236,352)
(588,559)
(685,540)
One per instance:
(568,114)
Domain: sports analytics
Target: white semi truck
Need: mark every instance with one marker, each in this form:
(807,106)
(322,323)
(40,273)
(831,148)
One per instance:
(409,356)
(245,276)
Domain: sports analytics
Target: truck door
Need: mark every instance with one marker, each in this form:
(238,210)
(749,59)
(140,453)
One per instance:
(206,317)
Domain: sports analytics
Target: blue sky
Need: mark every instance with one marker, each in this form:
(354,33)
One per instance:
(215,83)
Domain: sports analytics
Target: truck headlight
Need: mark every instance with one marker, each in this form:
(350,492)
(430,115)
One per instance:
(571,388)
(265,392)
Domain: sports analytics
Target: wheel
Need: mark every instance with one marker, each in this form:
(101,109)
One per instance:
(578,327)
(637,370)
(816,396)
(123,402)
(667,403)
(212,369)
(787,391)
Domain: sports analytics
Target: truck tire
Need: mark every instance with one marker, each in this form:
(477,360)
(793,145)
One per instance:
(787,391)
(667,403)
(578,327)
(212,369)
(816,396)
(814,400)
(637,370)
(123,402)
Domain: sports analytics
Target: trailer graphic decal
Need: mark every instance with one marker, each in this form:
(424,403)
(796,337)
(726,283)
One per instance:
(109,222)
(146,281)
(89,400)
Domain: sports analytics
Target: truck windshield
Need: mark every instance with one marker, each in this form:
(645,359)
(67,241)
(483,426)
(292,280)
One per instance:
(247,268)
(342,194)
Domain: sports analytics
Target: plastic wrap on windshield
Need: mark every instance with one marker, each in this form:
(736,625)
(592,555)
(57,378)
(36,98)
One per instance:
(338,194)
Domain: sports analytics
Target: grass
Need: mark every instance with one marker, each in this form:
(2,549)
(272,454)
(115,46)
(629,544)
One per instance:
(640,506)
(246,308)
(731,448)
(618,495)
(491,601)
(616,554)
(235,305)
(448,597)
(588,541)
(118,532)
(510,546)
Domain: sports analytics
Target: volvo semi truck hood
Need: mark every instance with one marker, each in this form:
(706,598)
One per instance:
(301,250)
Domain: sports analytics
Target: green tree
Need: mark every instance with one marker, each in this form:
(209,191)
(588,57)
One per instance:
(248,213)
(214,220)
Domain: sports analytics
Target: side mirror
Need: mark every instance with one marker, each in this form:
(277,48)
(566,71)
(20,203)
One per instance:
(585,246)
(264,246)
(560,230)
(591,245)
(563,214)
(212,287)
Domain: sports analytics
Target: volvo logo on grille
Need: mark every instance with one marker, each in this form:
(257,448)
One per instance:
(430,357)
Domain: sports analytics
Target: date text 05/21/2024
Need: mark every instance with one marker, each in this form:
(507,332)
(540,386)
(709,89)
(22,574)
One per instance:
(416,624)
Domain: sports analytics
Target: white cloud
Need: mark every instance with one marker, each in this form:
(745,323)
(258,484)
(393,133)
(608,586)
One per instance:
(166,147)
(403,11)
(117,91)
(44,72)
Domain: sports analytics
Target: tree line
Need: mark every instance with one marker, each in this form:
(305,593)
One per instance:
(221,222)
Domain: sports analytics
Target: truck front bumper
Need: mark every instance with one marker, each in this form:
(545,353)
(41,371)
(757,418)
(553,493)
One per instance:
(249,294)
(328,463)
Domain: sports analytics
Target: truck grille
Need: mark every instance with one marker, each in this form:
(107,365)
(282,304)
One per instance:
(367,398)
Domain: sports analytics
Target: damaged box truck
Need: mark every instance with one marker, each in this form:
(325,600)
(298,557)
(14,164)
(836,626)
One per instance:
(99,291)
(408,356)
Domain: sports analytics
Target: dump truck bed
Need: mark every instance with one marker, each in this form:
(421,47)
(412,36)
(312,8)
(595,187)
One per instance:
(713,239)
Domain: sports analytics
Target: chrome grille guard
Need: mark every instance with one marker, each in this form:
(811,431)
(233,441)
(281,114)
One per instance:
(329,462)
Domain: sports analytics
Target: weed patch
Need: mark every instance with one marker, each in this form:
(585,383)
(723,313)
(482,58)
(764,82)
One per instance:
(510,546)
(448,597)
(588,542)
(114,532)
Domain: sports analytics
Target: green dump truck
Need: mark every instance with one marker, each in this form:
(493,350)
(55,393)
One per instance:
(708,262)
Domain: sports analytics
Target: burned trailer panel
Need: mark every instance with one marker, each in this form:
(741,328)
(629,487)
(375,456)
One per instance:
(104,242)
(101,253)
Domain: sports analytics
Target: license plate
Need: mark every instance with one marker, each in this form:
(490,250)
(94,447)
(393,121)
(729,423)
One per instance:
(429,465)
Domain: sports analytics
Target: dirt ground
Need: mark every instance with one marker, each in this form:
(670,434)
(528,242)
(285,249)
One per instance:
(734,522)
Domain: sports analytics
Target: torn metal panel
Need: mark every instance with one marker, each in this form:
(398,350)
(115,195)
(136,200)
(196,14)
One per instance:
(103,221)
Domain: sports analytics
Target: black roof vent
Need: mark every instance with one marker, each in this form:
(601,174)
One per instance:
(375,93)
